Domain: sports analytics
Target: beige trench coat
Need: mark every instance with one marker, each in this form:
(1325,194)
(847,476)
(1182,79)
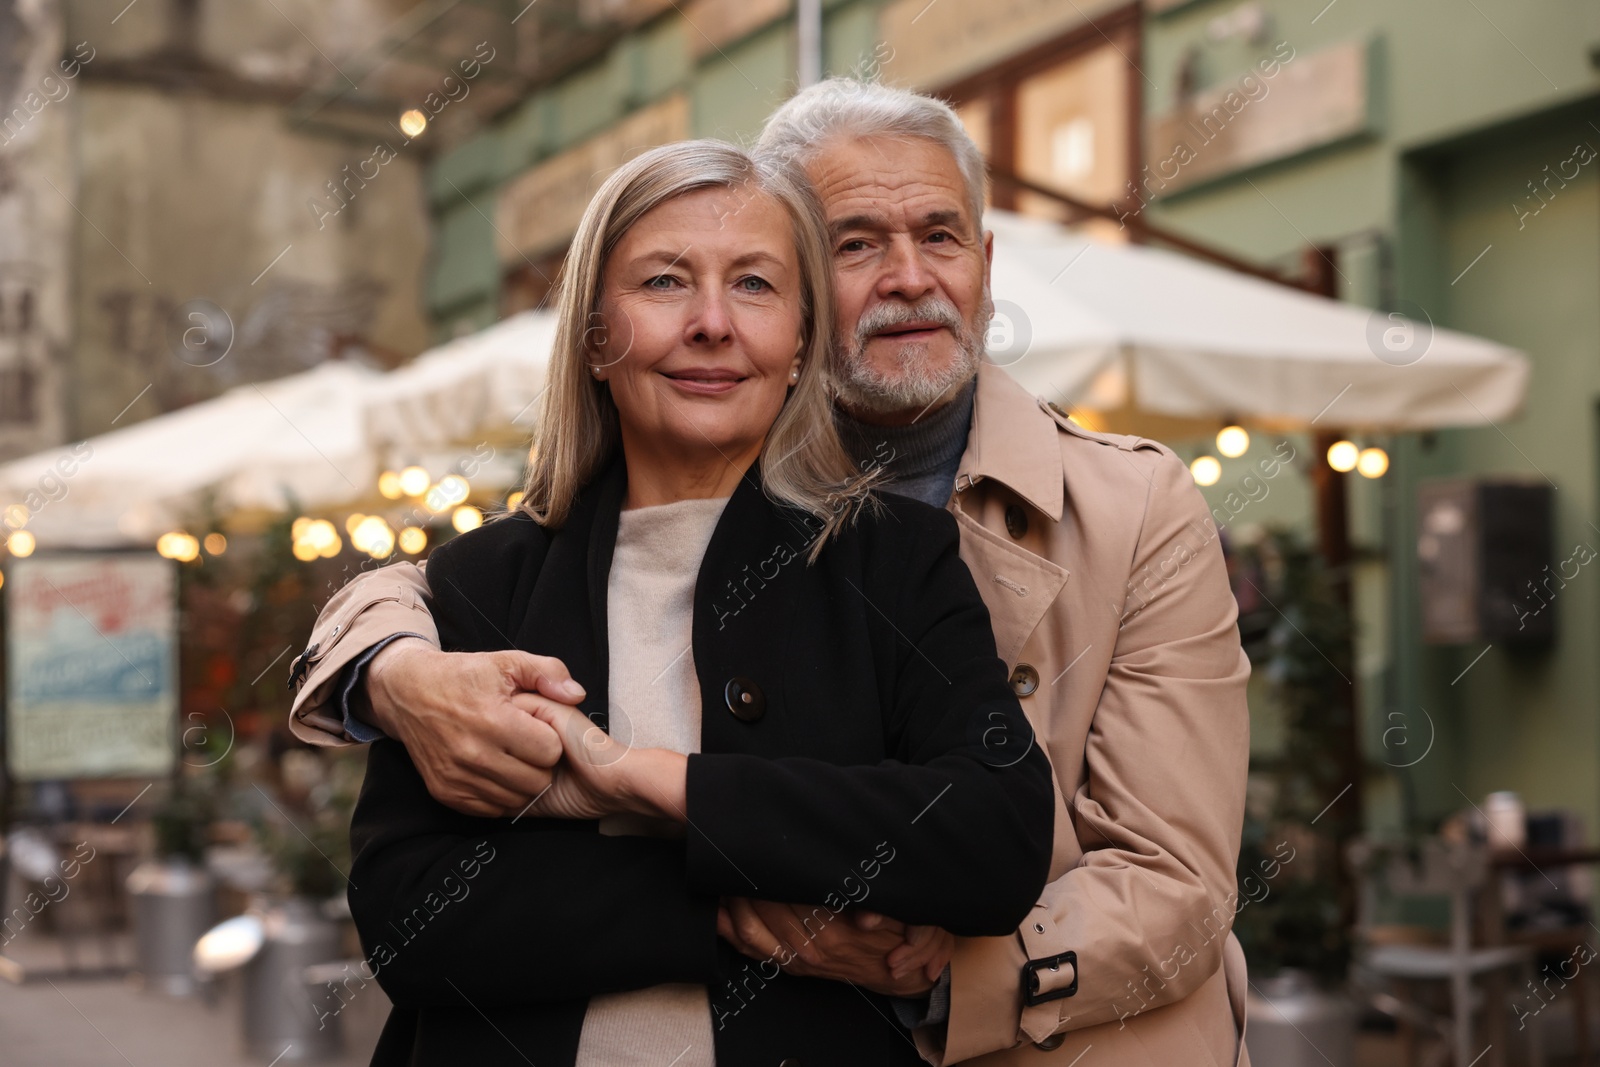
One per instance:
(1102,571)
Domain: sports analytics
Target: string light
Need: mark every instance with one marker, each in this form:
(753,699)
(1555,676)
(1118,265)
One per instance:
(414,481)
(413,539)
(1233,441)
(1342,455)
(1206,470)
(413,122)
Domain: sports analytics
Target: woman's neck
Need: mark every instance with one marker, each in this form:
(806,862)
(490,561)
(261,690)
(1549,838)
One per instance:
(665,478)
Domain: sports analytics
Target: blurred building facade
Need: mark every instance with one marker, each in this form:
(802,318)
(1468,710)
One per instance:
(160,167)
(1050,90)
(1445,156)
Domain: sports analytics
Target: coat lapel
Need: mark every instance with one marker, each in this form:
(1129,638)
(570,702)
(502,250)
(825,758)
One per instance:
(1017,586)
(571,586)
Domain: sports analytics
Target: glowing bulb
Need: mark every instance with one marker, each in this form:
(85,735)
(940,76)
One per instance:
(1342,455)
(413,122)
(373,536)
(1372,462)
(216,544)
(454,487)
(513,500)
(1206,470)
(353,520)
(186,547)
(305,551)
(20,543)
(413,539)
(389,485)
(464,518)
(1233,441)
(413,481)
(298,529)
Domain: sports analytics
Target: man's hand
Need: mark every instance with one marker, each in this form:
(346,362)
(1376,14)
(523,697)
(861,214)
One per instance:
(477,751)
(875,952)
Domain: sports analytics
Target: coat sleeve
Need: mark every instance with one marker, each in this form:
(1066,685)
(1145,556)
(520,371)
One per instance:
(370,607)
(1148,908)
(955,830)
(510,910)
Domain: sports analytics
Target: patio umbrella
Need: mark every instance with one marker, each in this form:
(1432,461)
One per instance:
(252,449)
(1111,327)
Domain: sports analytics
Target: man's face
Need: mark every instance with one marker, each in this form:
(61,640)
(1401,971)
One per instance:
(912,272)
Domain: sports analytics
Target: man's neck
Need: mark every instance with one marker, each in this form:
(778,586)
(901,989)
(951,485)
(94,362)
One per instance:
(919,457)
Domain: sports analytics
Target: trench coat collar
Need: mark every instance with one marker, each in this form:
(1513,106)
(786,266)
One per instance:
(1014,441)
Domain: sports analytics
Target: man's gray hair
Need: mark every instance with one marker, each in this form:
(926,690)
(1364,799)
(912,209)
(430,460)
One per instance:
(852,108)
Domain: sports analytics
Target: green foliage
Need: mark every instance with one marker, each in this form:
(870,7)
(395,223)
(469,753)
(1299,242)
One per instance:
(309,842)
(182,823)
(1298,637)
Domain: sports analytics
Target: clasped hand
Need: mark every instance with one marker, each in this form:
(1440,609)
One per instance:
(497,733)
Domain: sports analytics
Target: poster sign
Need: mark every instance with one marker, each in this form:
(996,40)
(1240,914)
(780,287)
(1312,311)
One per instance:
(91,657)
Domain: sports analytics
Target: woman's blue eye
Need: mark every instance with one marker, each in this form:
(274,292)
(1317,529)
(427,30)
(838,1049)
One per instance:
(651,283)
(760,284)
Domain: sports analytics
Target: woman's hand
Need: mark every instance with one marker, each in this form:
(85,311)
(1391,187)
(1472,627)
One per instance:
(599,775)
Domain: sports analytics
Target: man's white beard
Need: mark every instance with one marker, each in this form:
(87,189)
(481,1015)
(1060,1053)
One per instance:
(913,385)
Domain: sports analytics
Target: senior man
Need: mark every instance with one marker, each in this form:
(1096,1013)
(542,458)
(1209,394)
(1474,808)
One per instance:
(1109,602)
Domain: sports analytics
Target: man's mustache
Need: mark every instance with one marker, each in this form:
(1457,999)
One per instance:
(887,316)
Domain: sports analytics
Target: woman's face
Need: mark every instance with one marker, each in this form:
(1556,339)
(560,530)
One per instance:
(701,325)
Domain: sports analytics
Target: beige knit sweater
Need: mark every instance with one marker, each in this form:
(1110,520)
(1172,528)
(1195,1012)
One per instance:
(655,703)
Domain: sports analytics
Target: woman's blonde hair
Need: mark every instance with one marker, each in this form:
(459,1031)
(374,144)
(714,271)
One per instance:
(803,463)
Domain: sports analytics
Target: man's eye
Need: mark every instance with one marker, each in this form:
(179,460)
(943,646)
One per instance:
(855,244)
(941,236)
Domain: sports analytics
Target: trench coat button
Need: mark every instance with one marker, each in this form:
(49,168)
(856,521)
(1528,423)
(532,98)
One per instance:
(1024,680)
(1051,1043)
(745,699)
(1016,521)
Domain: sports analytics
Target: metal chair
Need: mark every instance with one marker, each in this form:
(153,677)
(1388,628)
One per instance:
(1459,873)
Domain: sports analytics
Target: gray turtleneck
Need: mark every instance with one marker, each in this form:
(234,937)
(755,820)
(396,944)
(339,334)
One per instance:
(920,459)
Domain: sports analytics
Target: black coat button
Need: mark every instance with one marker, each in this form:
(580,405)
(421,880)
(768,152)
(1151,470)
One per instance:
(1024,680)
(1051,1043)
(745,699)
(1016,521)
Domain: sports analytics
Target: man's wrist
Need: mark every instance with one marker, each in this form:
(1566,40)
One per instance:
(380,703)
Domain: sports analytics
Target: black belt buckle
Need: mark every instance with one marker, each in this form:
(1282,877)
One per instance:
(1030,979)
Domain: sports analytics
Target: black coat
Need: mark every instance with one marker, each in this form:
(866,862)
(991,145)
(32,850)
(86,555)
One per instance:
(881,759)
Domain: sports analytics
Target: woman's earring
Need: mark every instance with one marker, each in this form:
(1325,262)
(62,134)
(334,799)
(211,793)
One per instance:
(594,370)
(794,376)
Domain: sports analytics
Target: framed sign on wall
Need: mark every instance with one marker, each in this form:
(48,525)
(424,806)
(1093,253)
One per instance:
(91,644)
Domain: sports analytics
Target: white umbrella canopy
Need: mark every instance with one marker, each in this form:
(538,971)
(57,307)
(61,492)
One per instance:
(481,387)
(257,447)
(1108,326)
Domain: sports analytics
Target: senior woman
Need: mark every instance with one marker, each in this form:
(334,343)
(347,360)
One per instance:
(788,683)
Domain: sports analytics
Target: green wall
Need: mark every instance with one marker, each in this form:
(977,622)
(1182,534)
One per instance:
(1472,100)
